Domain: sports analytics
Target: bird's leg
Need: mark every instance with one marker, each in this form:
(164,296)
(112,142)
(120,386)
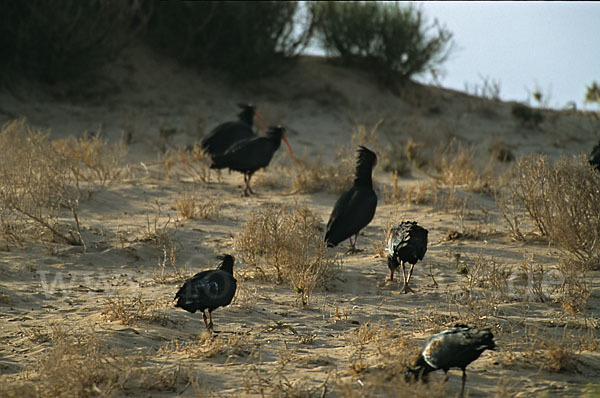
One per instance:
(445,376)
(353,248)
(210,324)
(464,380)
(248,184)
(204,319)
(403,274)
(412,266)
(391,274)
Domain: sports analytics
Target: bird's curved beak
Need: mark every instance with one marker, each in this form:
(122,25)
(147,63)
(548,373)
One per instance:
(288,146)
(261,120)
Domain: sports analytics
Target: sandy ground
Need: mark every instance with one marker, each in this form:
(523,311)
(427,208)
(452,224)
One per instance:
(271,345)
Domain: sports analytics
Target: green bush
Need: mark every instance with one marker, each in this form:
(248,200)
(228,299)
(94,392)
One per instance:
(390,39)
(243,39)
(55,41)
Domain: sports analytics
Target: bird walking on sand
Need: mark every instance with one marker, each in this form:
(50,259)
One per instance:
(226,134)
(208,290)
(355,208)
(456,347)
(407,242)
(249,155)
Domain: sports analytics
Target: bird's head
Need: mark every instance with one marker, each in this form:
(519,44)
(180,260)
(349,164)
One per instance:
(366,157)
(249,112)
(278,132)
(227,261)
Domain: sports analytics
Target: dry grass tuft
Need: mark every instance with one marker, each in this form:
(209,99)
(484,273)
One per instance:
(134,309)
(93,161)
(456,165)
(189,207)
(82,366)
(209,346)
(561,199)
(192,164)
(283,243)
(36,181)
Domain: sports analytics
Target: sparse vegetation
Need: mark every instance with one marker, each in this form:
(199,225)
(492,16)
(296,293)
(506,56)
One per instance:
(284,244)
(561,199)
(36,182)
(189,163)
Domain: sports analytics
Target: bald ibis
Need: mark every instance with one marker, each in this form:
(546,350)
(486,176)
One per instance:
(355,208)
(407,242)
(249,155)
(594,158)
(228,133)
(456,347)
(209,289)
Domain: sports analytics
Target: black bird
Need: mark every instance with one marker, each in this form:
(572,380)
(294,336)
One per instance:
(594,158)
(407,242)
(249,155)
(208,290)
(226,134)
(355,209)
(456,347)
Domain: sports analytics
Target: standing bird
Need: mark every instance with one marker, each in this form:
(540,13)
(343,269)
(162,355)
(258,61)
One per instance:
(355,209)
(407,242)
(208,290)
(594,158)
(249,155)
(456,347)
(226,134)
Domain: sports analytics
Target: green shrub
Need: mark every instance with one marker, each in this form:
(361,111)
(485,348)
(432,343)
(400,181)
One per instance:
(243,39)
(63,40)
(592,93)
(390,39)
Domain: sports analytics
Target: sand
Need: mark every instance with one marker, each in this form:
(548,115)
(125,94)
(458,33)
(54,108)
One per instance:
(265,342)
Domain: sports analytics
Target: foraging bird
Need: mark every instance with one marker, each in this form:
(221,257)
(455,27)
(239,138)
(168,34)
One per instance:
(226,134)
(249,155)
(594,158)
(355,208)
(407,242)
(209,289)
(456,347)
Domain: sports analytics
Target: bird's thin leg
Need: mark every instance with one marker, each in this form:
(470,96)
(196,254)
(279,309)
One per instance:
(412,266)
(391,274)
(210,324)
(248,185)
(204,319)
(403,274)
(445,376)
(351,243)
(464,380)
(405,288)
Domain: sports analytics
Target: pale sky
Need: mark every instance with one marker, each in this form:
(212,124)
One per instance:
(521,46)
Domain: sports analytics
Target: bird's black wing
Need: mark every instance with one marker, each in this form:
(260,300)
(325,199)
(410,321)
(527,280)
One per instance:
(246,155)
(353,210)
(225,135)
(418,239)
(456,347)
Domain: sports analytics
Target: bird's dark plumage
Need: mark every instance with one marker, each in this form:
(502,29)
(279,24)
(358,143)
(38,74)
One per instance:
(594,158)
(407,243)
(456,347)
(249,155)
(208,290)
(355,208)
(226,134)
